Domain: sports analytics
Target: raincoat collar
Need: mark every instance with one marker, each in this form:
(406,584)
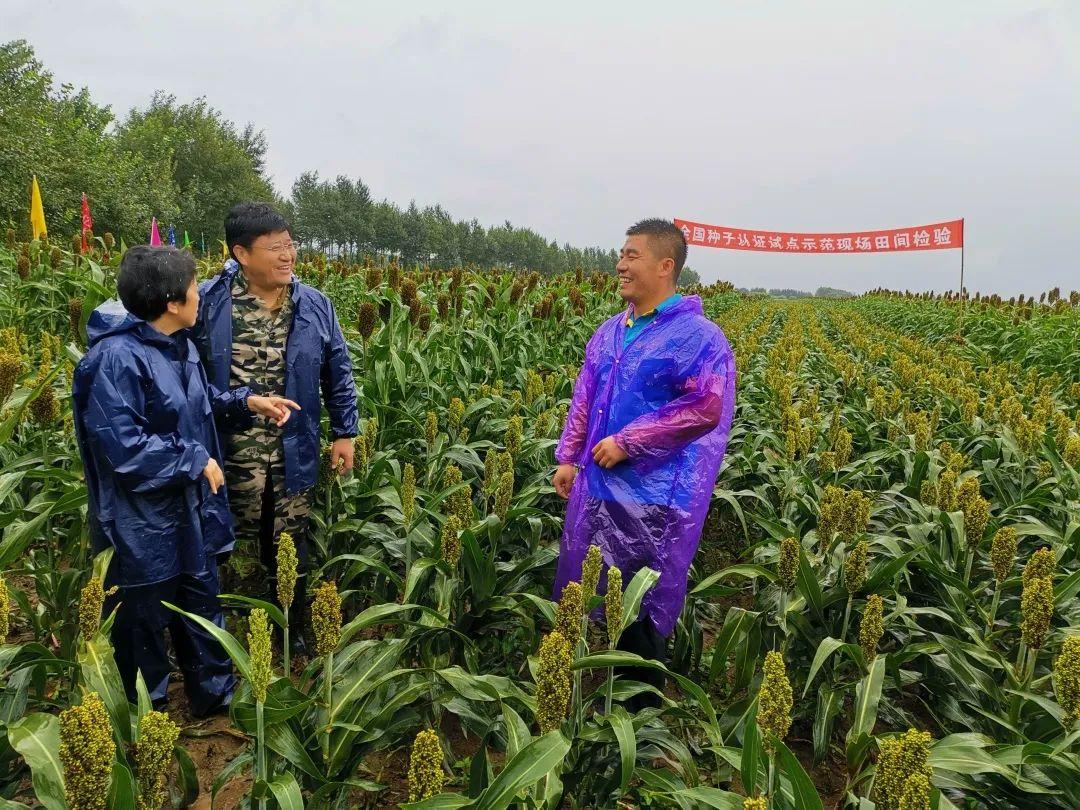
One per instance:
(664,305)
(112,319)
(685,305)
(232,267)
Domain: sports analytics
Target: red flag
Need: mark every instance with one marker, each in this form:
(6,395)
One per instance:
(87,223)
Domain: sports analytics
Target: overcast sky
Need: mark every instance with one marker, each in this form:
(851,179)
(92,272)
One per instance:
(577,118)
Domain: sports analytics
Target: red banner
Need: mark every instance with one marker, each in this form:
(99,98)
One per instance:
(939,236)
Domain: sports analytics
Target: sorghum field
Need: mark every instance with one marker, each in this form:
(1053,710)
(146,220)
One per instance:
(880,611)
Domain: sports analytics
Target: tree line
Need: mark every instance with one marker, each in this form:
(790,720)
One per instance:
(186,164)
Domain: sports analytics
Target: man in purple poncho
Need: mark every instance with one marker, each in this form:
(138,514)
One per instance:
(646,432)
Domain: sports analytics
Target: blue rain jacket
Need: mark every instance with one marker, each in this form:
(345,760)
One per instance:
(316,361)
(145,430)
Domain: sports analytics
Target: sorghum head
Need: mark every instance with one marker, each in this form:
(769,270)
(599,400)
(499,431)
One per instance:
(787,568)
(1067,680)
(569,612)
(326,617)
(153,754)
(872,626)
(426,776)
(260,653)
(1003,552)
(553,682)
(613,604)
(1037,609)
(590,573)
(901,757)
(775,700)
(87,752)
(287,565)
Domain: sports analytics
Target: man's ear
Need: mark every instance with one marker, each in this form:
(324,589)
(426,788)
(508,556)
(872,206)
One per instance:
(667,267)
(241,253)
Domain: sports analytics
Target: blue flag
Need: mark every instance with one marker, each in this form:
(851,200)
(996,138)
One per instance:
(172,236)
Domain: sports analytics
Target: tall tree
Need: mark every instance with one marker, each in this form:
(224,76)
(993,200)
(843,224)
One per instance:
(213,165)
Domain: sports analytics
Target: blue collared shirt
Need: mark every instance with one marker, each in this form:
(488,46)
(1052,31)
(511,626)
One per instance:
(635,323)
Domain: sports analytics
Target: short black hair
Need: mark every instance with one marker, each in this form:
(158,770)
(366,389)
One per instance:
(151,277)
(668,241)
(247,221)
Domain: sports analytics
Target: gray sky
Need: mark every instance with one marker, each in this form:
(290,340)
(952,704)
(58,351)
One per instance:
(578,118)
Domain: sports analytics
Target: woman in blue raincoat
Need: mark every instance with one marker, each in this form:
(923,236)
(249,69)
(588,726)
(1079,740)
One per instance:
(150,454)
(644,437)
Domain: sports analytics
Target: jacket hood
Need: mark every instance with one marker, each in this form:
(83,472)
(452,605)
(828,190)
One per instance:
(109,319)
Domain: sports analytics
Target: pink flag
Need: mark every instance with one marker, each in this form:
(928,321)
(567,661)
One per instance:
(155,237)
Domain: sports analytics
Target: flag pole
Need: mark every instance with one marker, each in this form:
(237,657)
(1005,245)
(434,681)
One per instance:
(963,301)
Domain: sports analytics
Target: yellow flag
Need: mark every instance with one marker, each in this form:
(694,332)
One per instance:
(37,213)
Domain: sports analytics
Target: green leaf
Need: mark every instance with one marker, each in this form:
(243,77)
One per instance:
(808,584)
(883,574)
(517,732)
(623,727)
(827,647)
(735,625)
(751,752)
(285,790)
(804,794)
(444,801)
(229,772)
(701,797)
(384,614)
(531,763)
(867,695)
(37,738)
(101,563)
(277,616)
(99,671)
(747,571)
(964,753)
(188,776)
(643,580)
(226,639)
(122,788)
(829,702)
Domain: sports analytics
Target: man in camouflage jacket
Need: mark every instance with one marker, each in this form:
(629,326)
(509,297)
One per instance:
(272,346)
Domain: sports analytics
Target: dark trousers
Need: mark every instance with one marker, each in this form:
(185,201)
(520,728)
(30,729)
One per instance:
(138,636)
(643,638)
(269,521)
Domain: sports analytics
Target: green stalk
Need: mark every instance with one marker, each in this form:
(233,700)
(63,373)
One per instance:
(610,686)
(285,642)
(847,617)
(993,609)
(772,774)
(328,677)
(260,749)
(1024,677)
(967,568)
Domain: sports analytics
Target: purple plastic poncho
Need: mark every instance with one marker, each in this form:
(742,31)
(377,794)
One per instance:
(667,398)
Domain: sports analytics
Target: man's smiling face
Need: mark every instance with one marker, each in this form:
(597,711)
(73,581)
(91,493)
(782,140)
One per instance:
(639,270)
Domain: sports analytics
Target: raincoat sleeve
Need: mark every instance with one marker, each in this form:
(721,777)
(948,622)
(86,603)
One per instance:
(338,386)
(117,424)
(575,433)
(231,412)
(665,431)
(230,406)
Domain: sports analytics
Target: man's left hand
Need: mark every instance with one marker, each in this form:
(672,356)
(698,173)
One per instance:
(341,456)
(607,453)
